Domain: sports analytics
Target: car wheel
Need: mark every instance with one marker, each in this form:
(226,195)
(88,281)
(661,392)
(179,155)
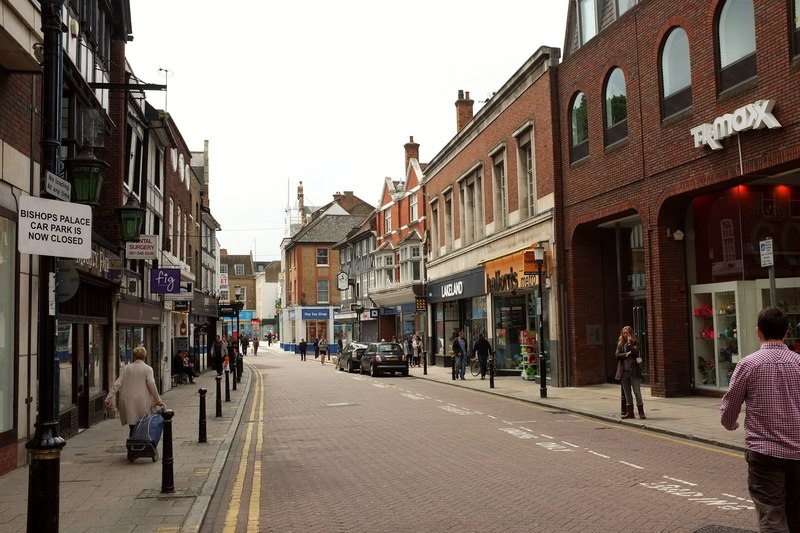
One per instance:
(405,372)
(361,369)
(350,367)
(373,371)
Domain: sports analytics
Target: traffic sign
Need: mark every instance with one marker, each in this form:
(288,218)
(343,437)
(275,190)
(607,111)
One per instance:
(765,247)
(58,187)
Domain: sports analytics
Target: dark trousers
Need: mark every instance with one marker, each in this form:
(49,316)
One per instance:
(302,355)
(774,486)
(483,361)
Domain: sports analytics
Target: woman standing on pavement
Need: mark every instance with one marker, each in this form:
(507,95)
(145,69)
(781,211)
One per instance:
(323,348)
(255,345)
(137,390)
(629,371)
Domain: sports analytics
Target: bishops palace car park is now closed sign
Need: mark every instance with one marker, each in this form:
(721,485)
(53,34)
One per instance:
(53,228)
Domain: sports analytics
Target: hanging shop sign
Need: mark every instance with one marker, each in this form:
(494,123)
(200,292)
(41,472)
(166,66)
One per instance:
(165,281)
(753,116)
(144,248)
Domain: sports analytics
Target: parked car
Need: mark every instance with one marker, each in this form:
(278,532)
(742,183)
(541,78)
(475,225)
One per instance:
(382,357)
(350,358)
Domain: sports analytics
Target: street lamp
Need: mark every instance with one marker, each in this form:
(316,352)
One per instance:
(538,257)
(85,173)
(130,218)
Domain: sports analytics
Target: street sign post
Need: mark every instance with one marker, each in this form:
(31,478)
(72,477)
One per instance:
(54,229)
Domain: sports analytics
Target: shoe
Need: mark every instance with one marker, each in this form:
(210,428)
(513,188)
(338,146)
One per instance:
(483,377)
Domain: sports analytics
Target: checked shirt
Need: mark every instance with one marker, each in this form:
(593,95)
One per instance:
(768,383)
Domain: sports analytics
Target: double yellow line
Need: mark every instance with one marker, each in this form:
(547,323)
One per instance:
(257,420)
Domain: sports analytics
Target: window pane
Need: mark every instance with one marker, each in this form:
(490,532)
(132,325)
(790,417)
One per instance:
(588,20)
(616,100)
(580,120)
(675,65)
(625,5)
(737,31)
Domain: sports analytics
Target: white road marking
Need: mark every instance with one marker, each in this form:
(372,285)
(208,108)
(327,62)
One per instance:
(599,454)
(413,396)
(526,429)
(632,465)
(547,436)
(680,481)
(554,447)
(737,497)
(339,404)
(570,444)
(454,409)
(518,433)
(492,417)
(699,497)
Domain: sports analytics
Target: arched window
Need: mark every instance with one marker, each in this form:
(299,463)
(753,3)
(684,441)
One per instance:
(676,73)
(616,110)
(579,125)
(736,38)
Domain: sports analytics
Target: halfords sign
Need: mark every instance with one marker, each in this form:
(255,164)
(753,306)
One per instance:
(753,116)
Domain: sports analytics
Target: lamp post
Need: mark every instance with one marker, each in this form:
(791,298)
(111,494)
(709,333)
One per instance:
(538,254)
(45,445)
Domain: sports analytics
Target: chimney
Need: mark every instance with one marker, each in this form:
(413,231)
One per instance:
(337,196)
(463,110)
(301,204)
(412,151)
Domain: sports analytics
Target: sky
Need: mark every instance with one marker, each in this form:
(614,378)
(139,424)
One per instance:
(321,91)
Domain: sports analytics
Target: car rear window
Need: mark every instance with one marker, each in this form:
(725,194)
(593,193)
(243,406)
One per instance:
(389,348)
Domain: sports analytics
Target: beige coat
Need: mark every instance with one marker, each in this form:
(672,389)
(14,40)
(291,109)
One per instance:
(137,392)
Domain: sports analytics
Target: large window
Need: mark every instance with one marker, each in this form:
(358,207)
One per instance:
(8,257)
(676,73)
(737,43)
(579,127)
(238,270)
(410,263)
(322,291)
(616,109)
(387,220)
(434,229)
(588,14)
(500,192)
(449,234)
(322,257)
(471,214)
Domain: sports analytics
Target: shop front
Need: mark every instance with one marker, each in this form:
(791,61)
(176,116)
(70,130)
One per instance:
(456,303)
(84,342)
(203,318)
(138,324)
(513,289)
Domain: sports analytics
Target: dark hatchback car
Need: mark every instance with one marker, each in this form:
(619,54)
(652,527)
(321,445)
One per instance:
(381,357)
(350,358)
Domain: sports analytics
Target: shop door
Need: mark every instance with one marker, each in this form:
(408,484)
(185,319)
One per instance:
(634,314)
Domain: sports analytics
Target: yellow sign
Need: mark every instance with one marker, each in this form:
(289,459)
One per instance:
(421,304)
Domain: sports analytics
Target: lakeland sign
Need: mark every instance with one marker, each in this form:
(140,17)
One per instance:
(753,116)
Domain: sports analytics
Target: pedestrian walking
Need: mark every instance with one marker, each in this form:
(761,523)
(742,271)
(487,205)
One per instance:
(269,339)
(135,390)
(216,353)
(629,371)
(303,346)
(316,348)
(255,345)
(323,348)
(460,356)
(482,349)
(245,343)
(768,383)
(416,346)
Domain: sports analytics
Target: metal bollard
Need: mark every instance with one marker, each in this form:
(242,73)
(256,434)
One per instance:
(425,363)
(219,395)
(202,422)
(233,370)
(227,385)
(167,476)
(491,372)
(239,368)
(623,404)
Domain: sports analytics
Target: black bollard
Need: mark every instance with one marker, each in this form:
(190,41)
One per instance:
(219,395)
(167,476)
(202,426)
(233,370)
(623,404)
(239,368)
(227,385)
(491,372)
(425,363)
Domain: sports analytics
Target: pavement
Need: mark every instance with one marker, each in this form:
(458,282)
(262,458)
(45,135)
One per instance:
(100,491)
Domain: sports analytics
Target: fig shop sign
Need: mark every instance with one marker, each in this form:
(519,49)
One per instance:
(755,116)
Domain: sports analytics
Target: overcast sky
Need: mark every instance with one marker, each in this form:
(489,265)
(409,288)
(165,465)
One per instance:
(323,91)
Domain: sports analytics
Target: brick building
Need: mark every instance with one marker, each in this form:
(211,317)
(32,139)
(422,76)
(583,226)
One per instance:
(681,153)
(492,195)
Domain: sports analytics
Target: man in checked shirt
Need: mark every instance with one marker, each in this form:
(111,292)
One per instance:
(768,382)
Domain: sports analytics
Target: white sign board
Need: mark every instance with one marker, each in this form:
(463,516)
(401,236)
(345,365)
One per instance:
(144,248)
(765,247)
(53,228)
(60,188)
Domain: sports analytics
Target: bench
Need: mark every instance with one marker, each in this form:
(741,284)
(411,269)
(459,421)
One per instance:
(177,379)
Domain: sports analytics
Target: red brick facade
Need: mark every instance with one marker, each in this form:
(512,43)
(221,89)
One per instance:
(656,171)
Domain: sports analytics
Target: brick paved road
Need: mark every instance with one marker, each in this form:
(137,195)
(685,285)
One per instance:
(349,453)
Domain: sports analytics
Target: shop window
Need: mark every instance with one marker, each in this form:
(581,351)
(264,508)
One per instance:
(736,41)
(676,75)
(8,266)
(616,109)
(579,126)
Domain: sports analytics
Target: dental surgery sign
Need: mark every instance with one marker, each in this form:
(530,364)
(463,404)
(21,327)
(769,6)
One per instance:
(54,228)
(753,116)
